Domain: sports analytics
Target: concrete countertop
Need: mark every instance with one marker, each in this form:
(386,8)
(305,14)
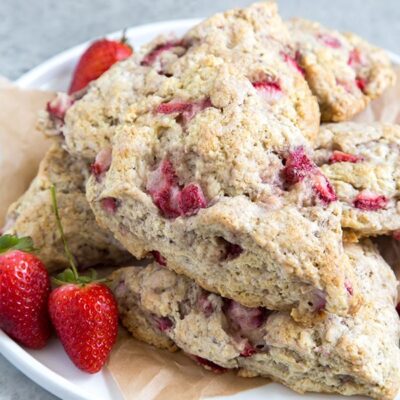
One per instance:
(32,31)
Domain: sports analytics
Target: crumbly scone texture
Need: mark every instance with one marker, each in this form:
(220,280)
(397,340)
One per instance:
(256,41)
(362,161)
(32,215)
(239,37)
(343,70)
(226,157)
(347,355)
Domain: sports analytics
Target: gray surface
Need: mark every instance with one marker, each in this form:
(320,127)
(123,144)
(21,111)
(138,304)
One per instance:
(32,31)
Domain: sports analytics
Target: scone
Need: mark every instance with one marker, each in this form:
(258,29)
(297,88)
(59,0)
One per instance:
(362,161)
(348,355)
(255,40)
(90,123)
(203,173)
(343,71)
(32,215)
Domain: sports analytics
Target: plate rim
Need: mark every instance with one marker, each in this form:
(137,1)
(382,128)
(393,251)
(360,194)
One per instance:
(38,372)
(12,351)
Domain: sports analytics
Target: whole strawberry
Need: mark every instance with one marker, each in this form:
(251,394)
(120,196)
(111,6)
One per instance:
(24,292)
(96,60)
(85,317)
(84,313)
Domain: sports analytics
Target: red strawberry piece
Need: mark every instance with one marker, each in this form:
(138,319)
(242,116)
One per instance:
(59,106)
(205,304)
(349,287)
(195,108)
(109,204)
(271,90)
(167,202)
(244,321)
(187,110)
(369,201)
(298,165)
(323,188)
(24,292)
(329,40)
(102,162)
(153,55)
(191,199)
(361,84)
(293,62)
(161,178)
(167,195)
(97,59)
(396,235)
(163,187)
(339,156)
(355,58)
(86,321)
(173,107)
(163,323)
(159,258)
(319,301)
(207,364)
(244,318)
(248,350)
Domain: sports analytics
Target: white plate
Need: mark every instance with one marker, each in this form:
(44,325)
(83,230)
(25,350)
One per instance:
(50,367)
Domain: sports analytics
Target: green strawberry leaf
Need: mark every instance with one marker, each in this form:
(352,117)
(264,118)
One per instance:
(93,274)
(13,242)
(84,279)
(66,276)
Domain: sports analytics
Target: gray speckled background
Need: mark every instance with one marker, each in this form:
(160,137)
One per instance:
(32,31)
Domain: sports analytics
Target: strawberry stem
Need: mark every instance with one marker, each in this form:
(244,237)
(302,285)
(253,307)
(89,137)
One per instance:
(61,230)
(124,39)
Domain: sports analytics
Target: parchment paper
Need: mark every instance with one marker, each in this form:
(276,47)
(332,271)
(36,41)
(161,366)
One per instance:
(141,371)
(21,146)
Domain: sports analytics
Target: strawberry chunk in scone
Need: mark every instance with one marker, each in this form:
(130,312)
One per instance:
(102,163)
(370,201)
(299,166)
(271,90)
(172,199)
(340,156)
(185,109)
(151,57)
(58,106)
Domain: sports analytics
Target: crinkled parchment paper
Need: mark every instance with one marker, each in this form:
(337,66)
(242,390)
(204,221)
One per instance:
(141,371)
(21,146)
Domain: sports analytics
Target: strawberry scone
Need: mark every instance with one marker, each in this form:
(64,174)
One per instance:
(89,123)
(343,71)
(32,215)
(255,39)
(357,354)
(362,161)
(226,192)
